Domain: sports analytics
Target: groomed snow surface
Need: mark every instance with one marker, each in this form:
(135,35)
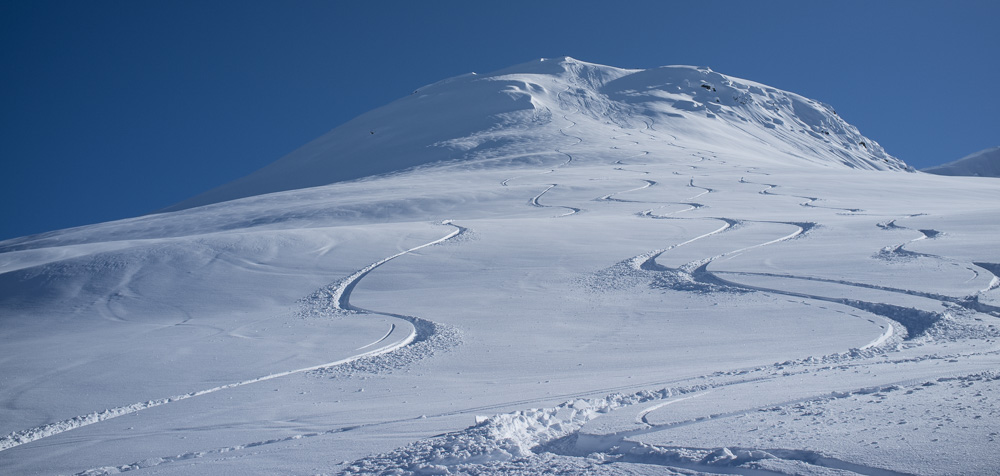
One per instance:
(596,280)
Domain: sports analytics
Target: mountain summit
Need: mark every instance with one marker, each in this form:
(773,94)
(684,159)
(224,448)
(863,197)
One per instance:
(525,112)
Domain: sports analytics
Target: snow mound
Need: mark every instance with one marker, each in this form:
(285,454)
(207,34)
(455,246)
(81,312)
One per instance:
(985,163)
(500,438)
(514,115)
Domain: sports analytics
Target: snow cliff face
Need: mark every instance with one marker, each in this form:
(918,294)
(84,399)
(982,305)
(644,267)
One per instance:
(985,163)
(513,115)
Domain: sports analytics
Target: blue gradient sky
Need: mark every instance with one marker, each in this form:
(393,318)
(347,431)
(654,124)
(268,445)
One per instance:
(113,109)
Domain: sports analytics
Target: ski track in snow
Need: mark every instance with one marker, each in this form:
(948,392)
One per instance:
(692,185)
(696,277)
(507,438)
(542,435)
(994,269)
(968,302)
(610,197)
(392,327)
(535,203)
(641,416)
(557,430)
(500,443)
(340,299)
(569,157)
(810,201)
(898,251)
(513,437)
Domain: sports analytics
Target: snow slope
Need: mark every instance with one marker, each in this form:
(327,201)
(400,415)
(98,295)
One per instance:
(589,285)
(985,163)
(505,114)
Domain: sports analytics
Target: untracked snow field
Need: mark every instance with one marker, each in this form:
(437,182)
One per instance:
(625,303)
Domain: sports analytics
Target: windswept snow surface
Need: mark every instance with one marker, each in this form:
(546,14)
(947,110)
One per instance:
(985,163)
(528,114)
(586,288)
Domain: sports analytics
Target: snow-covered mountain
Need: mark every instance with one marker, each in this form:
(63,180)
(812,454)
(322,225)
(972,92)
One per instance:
(985,163)
(515,113)
(559,267)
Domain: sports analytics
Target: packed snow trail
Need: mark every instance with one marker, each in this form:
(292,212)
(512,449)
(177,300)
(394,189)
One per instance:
(341,298)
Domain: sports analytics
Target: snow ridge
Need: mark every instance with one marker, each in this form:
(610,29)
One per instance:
(477,118)
(985,163)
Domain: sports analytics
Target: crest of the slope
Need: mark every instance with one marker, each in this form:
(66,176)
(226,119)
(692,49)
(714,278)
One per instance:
(794,124)
(985,163)
(522,113)
(581,72)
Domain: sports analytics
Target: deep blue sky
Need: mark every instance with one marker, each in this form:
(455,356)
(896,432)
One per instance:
(112,109)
